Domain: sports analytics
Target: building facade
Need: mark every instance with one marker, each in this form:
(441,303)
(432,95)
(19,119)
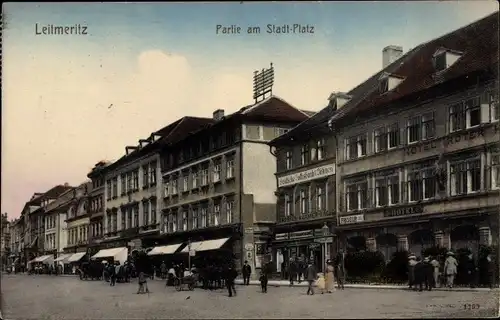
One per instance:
(133,191)
(5,237)
(417,161)
(219,184)
(77,219)
(96,207)
(306,186)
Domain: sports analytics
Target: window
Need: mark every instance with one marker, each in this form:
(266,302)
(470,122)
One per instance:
(229,211)
(494,106)
(216,173)
(203,217)
(184,220)
(428,126)
(303,201)
(465,176)
(145,176)
(356,147)
(320,149)
(173,218)
(123,185)
(386,190)
(216,214)
(153,211)
(457,117)
(152,173)
(495,171)
(130,217)
(440,61)
(357,195)
(124,219)
(384,85)
(168,187)
(380,141)
(204,177)
(173,184)
(473,112)
(413,130)
(288,160)
(230,169)
(145,213)
(108,189)
(195,179)
(185,182)
(115,221)
(288,205)
(393,136)
(320,198)
(421,182)
(135,176)
(115,187)
(110,223)
(304,154)
(194,217)
(129,182)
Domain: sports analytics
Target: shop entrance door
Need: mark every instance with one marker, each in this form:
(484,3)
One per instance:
(316,256)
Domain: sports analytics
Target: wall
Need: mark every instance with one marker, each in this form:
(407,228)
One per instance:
(259,166)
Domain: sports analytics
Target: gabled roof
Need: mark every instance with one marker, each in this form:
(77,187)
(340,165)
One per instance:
(478,42)
(52,193)
(172,132)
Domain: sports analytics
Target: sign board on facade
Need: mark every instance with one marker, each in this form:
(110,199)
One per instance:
(306,175)
(356,218)
(403,211)
(302,234)
(249,230)
(248,246)
(324,240)
(462,136)
(308,216)
(281,236)
(192,253)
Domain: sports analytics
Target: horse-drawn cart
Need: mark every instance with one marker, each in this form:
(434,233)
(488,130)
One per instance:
(185,282)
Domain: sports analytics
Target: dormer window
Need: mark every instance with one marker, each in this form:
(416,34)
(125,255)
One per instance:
(388,82)
(338,99)
(444,58)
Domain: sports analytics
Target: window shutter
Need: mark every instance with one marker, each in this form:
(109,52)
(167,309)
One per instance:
(485,107)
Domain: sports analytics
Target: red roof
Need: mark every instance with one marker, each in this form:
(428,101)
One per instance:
(478,43)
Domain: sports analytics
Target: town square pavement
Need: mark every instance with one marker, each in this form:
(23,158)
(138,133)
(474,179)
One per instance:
(60,297)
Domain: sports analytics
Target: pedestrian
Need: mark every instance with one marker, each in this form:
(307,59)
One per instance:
(471,270)
(320,283)
(450,269)
(435,272)
(302,269)
(419,274)
(163,270)
(412,261)
(246,271)
(340,269)
(491,267)
(292,270)
(329,277)
(143,283)
(311,276)
(428,274)
(230,276)
(112,275)
(263,281)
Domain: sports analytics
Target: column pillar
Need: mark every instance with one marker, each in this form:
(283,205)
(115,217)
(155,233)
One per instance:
(402,242)
(485,236)
(371,244)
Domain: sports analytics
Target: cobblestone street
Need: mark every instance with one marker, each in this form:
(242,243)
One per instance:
(50,297)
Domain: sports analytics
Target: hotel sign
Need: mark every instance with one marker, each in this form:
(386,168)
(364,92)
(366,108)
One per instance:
(308,216)
(356,218)
(403,211)
(466,135)
(306,175)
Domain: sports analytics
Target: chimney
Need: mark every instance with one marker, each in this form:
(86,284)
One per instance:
(218,114)
(338,99)
(66,184)
(391,54)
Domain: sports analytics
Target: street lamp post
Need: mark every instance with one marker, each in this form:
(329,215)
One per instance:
(326,233)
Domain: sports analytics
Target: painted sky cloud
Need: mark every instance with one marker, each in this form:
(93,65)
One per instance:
(158,62)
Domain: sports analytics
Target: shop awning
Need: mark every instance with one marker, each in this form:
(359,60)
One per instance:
(108,253)
(63,257)
(170,249)
(76,257)
(45,259)
(206,245)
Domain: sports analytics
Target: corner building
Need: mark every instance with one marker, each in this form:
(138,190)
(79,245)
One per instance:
(219,184)
(418,154)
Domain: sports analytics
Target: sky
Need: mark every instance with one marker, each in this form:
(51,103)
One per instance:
(69,101)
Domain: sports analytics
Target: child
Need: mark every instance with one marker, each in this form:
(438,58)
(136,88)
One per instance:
(143,283)
(320,283)
(263,282)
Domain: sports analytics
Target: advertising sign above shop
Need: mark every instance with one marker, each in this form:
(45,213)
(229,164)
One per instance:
(352,219)
(396,212)
(306,175)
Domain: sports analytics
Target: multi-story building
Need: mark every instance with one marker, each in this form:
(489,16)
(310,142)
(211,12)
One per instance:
(96,207)
(133,189)
(17,241)
(77,219)
(219,183)
(418,152)
(5,236)
(34,215)
(306,185)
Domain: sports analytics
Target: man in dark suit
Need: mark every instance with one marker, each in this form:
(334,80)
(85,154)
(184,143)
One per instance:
(230,275)
(246,271)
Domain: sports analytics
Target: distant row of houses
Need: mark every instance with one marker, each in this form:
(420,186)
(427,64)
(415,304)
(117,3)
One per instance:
(406,160)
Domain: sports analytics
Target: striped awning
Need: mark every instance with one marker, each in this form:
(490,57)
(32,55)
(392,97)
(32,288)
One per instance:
(170,249)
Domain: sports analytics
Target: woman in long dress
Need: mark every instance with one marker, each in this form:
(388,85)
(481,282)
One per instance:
(329,278)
